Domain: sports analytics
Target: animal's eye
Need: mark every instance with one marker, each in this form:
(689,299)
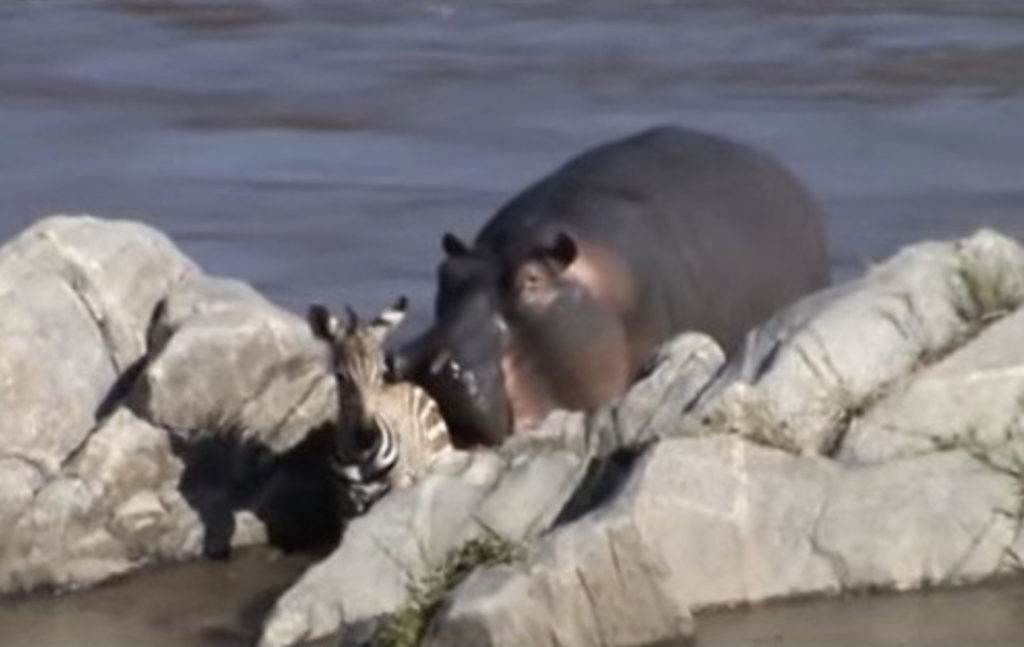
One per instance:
(529,280)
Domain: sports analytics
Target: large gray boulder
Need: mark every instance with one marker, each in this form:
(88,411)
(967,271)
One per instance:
(222,387)
(811,463)
(722,520)
(973,397)
(114,506)
(223,357)
(868,436)
(804,377)
(516,491)
(76,295)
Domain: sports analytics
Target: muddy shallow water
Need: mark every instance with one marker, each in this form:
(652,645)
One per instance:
(982,615)
(219,604)
(319,148)
(202,603)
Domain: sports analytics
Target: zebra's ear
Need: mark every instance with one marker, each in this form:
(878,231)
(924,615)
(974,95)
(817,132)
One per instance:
(353,320)
(401,304)
(323,324)
(390,318)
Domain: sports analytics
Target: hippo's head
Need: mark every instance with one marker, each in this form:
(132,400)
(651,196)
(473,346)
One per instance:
(482,306)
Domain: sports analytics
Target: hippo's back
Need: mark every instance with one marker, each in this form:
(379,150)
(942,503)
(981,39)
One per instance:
(715,234)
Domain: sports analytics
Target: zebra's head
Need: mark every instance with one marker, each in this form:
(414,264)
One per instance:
(357,351)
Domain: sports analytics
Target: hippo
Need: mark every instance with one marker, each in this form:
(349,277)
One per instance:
(568,289)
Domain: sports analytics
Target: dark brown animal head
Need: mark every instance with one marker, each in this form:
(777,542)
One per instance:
(481,304)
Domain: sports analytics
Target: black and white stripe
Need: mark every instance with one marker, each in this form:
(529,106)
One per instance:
(386,433)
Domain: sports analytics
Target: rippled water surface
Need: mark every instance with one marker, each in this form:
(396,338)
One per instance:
(319,148)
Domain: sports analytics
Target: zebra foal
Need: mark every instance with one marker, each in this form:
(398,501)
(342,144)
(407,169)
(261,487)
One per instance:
(386,433)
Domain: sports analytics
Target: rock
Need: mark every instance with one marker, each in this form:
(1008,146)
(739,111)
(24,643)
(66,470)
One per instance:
(76,296)
(654,407)
(517,491)
(868,436)
(800,380)
(602,585)
(712,520)
(411,531)
(113,507)
(217,450)
(974,397)
(721,520)
(116,270)
(223,358)
(935,520)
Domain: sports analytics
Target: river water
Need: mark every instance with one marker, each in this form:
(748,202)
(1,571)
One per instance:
(319,148)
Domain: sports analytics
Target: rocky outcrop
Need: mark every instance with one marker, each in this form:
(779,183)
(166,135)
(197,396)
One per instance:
(722,520)
(815,461)
(75,307)
(222,357)
(147,411)
(869,436)
(517,491)
(974,396)
(803,378)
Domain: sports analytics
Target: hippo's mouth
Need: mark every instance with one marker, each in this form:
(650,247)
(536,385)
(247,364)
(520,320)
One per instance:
(472,402)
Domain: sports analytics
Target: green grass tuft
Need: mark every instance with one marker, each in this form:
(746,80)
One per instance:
(407,626)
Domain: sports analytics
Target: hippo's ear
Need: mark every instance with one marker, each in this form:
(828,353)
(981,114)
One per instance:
(452,246)
(564,250)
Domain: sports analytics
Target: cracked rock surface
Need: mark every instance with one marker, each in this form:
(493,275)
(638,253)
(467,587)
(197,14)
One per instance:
(868,436)
(722,520)
(802,379)
(222,384)
(517,491)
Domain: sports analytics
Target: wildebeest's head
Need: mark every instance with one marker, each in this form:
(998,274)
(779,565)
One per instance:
(483,303)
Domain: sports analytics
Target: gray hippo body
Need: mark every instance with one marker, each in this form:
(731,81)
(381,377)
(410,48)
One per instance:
(567,289)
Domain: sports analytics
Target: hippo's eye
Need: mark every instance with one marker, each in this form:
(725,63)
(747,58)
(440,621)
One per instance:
(528,281)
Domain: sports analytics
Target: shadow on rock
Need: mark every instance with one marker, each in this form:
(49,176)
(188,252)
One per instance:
(292,494)
(604,479)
